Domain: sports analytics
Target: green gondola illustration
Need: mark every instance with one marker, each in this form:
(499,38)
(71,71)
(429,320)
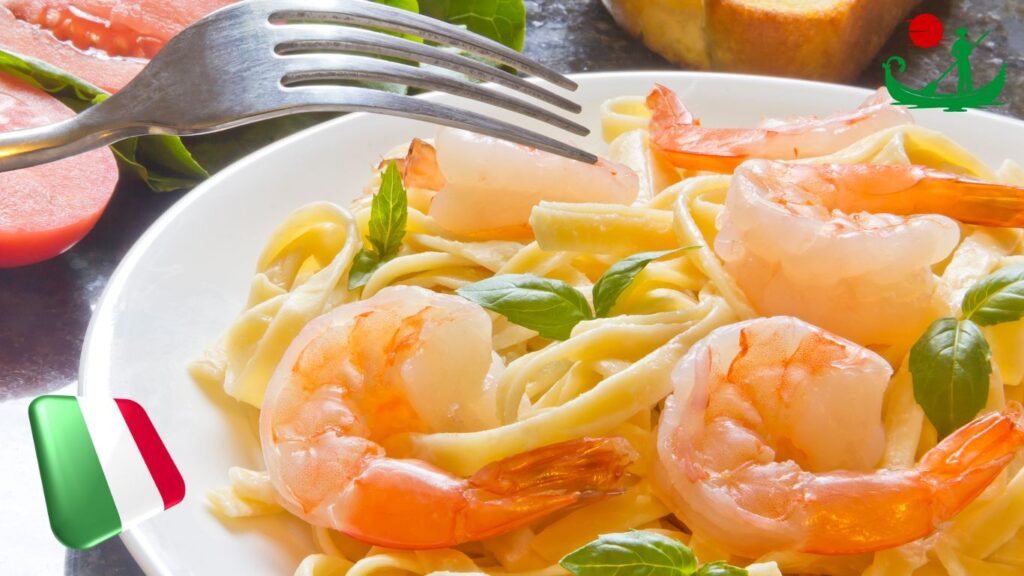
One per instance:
(966,95)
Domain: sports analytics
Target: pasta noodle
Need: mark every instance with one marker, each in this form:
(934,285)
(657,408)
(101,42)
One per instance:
(611,376)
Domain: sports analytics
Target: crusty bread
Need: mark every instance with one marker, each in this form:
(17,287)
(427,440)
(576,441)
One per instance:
(819,39)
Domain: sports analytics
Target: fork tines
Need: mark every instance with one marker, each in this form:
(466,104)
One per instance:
(317,43)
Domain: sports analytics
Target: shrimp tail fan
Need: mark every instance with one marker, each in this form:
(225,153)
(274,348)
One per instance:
(587,466)
(531,485)
(969,459)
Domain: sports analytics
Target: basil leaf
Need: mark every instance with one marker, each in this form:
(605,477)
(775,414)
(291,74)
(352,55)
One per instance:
(389,213)
(500,20)
(410,5)
(162,162)
(950,365)
(636,553)
(551,307)
(74,92)
(363,266)
(996,298)
(614,282)
(719,568)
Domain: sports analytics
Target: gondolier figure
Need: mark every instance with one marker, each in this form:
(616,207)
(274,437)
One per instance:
(966,95)
(962,49)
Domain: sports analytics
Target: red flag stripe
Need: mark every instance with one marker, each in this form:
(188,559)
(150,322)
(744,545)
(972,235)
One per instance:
(161,467)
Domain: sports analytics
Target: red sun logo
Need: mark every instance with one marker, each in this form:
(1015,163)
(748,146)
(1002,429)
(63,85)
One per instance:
(926,30)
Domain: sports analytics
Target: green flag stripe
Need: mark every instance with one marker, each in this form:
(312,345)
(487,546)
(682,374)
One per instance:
(78,499)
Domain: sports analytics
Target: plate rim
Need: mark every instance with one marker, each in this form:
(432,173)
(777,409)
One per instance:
(140,546)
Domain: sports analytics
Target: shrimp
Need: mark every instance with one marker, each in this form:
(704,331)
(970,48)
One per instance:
(493,185)
(849,247)
(686,144)
(770,439)
(419,166)
(410,360)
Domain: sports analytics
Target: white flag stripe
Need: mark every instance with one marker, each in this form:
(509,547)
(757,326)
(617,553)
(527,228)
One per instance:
(135,493)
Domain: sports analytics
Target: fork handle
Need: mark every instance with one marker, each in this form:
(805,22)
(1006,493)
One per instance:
(82,133)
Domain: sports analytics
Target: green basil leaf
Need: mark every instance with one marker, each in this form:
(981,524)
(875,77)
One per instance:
(162,162)
(363,266)
(500,20)
(614,282)
(636,553)
(719,568)
(950,365)
(388,214)
(551,307)
(410,5)
(996,298)
(74,92)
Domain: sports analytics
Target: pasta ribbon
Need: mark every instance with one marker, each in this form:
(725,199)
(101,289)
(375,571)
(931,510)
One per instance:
(633,149)
(601,228)
(321,233)
(608,404)
(623,114)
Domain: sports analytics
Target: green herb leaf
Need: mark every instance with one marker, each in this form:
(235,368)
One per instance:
(162,162)
(950,365)
(551,307)
(364,265)
(996,298)
(389,213)
(719,568)
(636,553)
(614,282)
(500,20)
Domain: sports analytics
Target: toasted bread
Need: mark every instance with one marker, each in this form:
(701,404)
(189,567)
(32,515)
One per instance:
(818,39)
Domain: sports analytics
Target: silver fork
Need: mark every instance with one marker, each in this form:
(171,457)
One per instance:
(266,58)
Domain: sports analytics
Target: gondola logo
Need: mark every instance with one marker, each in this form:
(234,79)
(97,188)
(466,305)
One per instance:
(926,32)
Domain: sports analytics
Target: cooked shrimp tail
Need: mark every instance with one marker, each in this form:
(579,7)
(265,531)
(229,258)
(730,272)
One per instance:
(908,190)
(577,467)
(853,513)
(686,144)
(522,488)
(969,459)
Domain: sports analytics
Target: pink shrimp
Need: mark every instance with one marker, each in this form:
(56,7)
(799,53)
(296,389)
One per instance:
(865,235)
(771,436)
(687,144)
(410,360)
(492,185)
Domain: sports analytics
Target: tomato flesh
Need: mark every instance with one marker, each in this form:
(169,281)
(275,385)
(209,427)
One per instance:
(44,210)
(105,42)
(86,31)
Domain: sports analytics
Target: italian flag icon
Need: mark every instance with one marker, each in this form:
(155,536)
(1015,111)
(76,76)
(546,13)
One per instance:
(103,466)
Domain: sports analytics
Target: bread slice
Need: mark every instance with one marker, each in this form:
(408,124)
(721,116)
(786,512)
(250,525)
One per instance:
(818,39)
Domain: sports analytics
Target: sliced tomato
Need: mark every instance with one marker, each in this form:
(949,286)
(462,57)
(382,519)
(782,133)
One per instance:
(104,42)
(46,209)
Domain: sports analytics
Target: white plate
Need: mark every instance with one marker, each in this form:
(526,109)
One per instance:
(188,275)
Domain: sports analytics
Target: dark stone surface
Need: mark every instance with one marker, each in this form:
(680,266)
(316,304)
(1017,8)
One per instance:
(44,309)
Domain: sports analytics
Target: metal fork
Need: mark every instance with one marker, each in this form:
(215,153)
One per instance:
(266,58)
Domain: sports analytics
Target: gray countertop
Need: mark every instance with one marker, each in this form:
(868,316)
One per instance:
(44,309)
